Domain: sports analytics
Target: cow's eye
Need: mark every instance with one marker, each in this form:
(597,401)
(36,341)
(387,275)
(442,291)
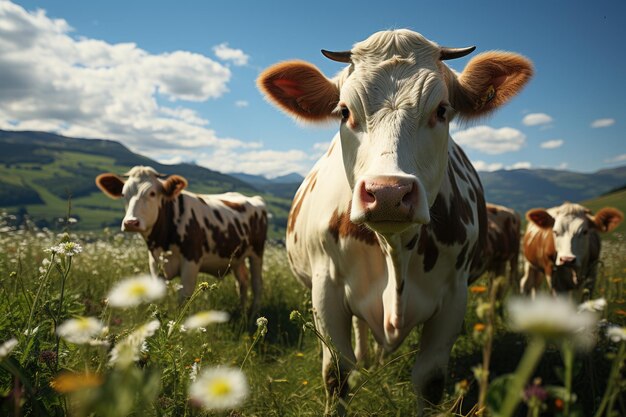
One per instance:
(152,194)
(345,112)
(585,231)
(441,113)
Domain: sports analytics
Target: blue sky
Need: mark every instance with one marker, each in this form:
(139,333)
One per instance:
(176,80)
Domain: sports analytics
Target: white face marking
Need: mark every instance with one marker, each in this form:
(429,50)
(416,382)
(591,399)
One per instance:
(397,126)
(142,198)
(571,239)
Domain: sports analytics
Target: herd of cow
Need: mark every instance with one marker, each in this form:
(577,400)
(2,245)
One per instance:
(391,225)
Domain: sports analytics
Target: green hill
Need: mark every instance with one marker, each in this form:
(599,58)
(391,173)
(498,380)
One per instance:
(42,172)
(615,199)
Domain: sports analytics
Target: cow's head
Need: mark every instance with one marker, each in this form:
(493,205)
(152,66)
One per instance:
(143,194)
(571,226)
(395,100)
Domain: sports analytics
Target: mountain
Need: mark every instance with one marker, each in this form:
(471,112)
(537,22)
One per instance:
(41,171)
(523,189)
(284,186)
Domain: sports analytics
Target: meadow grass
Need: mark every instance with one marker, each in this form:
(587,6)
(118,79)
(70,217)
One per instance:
(46,375)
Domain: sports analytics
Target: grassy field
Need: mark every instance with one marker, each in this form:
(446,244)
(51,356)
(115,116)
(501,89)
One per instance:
(47,375)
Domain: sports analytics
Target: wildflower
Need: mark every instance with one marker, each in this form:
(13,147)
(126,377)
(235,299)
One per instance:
(219,388)
(478,289)
(598,304)
(616,333)
(620,312)
(535,391)
(68,249)
(7,347)
(137,290)
(205,318)
(127,351)
(193,374)
(79,330)
(552,318)
(71,382)
(261,324)
(479,327)
(30,332)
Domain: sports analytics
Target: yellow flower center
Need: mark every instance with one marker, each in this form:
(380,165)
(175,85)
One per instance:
(138,290)
(220,387)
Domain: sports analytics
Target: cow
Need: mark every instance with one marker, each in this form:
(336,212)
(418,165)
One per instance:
(389,221)
(194,233)
(502,246)
(563,244)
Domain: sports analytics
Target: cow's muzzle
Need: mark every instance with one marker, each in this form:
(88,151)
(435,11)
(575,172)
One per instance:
(131,225)
(386,199)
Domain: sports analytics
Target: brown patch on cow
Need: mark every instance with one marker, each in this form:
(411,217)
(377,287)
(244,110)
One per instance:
(295,237)
(412,243)
(173,185)
(492,209)
(539,249)
(258,232)
(427,247)
(201,200)
(234,206)
(460,259)
(239,228)
(228,242)
(195,243)
(481,243)
(450,220)
(218,215)
(472,195)
(299,199)
(164,233)
(341,226)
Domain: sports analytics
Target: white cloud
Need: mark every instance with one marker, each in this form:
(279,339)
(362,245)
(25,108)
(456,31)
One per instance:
(267,162)
(602,123)
(551,144)
(535,119)
(520,165)
(90,88)
(562,166)
(226,53)
(241,103)
(616,159)
(484,166)
(491,141)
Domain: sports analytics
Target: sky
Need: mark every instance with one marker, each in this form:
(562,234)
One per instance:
(175,80)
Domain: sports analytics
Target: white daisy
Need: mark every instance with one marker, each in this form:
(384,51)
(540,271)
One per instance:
(204,318)
(616,333)
(80,330)
(136,290)
(219,388)
(552,318)
(598,304)
(7,347)
(127,351)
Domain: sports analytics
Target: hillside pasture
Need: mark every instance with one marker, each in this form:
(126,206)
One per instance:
(40,290)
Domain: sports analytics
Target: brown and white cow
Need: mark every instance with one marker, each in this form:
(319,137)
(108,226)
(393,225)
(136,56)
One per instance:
(563,244)
(387,224)
(196,233)
(503,244)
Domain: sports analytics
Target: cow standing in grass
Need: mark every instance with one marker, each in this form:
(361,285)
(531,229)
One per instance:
(389,222)
(502,246)
(194,233)
(563,244)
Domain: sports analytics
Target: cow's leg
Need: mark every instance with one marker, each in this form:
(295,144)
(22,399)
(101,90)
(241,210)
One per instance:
(531,280)
(361,348)
(256,271)
(241,275)
(333,321)
(438,336)
(188,275)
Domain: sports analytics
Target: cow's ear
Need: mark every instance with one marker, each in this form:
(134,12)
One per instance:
(173,185)
(110,184)
(607,219)
(541,218)
(301,90)
(488,81)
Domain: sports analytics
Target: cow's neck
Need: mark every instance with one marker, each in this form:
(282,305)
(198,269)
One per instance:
(163,232)
(395,247)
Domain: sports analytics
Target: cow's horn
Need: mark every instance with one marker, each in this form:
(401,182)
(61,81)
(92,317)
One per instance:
(343,56)
(454,53)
